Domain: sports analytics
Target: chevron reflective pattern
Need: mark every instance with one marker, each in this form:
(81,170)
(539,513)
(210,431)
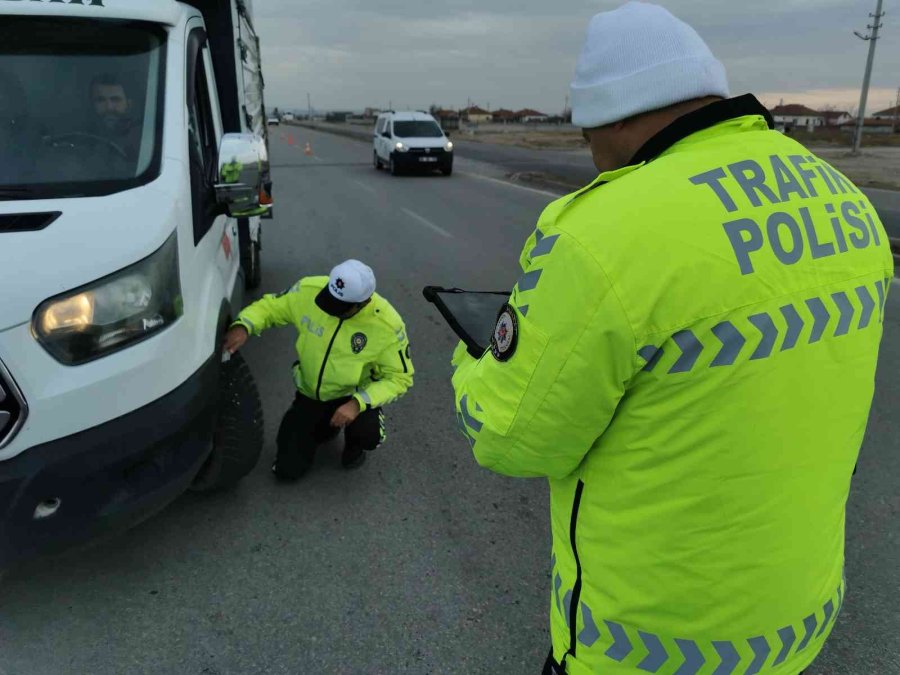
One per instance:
(762,335)
(654,653)
(590,633)
(621,646)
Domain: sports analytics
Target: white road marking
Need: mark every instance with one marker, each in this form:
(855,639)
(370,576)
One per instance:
(367,188)
(428,223)
(507,183)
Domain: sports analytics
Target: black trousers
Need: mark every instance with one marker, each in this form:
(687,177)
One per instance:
(307,425)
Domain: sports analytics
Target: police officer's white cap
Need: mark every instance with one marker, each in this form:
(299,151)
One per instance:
(352,282)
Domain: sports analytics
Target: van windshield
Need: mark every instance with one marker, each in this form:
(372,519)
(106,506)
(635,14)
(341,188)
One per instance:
(81,106)
(422,129)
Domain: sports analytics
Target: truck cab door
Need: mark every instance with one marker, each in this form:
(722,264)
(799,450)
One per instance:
(215,235)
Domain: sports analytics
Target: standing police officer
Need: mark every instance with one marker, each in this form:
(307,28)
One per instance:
(689,356)
(353,359)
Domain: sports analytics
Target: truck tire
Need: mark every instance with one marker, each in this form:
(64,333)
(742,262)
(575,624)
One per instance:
(238,434)
(377,161)
(393,168)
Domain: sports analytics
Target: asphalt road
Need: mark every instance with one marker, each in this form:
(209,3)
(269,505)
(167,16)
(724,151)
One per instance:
(562,171)
(574,168)
(420,561)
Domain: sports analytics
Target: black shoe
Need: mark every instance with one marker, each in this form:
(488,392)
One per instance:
(282,477)
(354,462)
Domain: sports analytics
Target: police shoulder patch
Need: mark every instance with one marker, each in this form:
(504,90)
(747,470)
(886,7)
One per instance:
(506,334)
(358,342)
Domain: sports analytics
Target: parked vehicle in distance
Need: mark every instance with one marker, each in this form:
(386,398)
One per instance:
(273,121)
(411,141)
(288,117)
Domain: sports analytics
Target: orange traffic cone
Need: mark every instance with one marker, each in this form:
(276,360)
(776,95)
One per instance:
(308,149)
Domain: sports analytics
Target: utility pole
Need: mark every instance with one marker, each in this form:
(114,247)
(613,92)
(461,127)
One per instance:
(896,111)
(308,107)
(871,38)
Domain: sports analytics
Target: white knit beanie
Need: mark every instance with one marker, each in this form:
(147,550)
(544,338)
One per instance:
(639,58)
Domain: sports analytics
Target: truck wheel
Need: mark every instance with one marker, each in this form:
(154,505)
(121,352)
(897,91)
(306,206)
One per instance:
(377,161)
(238,435)
(448,170)
(394,169)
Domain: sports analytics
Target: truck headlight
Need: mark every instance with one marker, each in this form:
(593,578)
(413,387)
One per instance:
(400,147)
(114,312)
(449,146)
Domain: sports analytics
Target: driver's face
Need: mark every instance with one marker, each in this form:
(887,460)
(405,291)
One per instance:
(110,103)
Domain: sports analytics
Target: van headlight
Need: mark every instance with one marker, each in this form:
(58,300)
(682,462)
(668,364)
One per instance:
(449,146)
(114,312)
(400,147)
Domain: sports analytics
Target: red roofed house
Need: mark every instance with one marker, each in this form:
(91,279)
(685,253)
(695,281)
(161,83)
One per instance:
(794,115)
(475,115)
(504,115)
(529,115)
(889,114)
(835,118)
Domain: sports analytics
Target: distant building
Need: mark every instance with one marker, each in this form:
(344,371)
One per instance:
(448,119)
(528,115)
(504,116)
(835,118)
(475,115)
(796,116)
(889,114)
(871,125)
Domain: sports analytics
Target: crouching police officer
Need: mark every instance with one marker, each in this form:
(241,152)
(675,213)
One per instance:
(353,359)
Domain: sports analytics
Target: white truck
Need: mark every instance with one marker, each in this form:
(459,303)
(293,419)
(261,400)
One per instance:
(133,172)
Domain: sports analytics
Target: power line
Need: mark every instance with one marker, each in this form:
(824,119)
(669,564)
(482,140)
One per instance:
(872,39)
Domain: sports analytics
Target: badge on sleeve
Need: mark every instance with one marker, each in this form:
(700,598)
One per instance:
(358,342)
(506,334)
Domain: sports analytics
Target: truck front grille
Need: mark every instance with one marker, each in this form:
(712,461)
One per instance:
(12,407)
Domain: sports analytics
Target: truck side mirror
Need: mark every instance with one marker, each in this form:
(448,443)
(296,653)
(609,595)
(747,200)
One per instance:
(243,174)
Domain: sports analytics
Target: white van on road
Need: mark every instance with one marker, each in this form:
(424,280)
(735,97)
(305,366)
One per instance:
(411,141)
(132,162)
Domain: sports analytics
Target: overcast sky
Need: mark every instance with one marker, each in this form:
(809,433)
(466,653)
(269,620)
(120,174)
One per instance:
(350,54)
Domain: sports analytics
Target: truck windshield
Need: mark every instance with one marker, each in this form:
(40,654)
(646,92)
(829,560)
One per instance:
(417,130)
(81,106)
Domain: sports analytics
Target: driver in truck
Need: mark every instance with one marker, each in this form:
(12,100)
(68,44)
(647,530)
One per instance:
(112,109)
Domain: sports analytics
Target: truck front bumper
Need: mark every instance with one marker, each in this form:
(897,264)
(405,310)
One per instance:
(109,477)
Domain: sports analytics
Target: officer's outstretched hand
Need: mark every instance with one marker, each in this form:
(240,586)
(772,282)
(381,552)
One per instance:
(235,339)
(346,414)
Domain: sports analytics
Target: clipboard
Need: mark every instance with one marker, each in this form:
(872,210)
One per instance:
(471,314)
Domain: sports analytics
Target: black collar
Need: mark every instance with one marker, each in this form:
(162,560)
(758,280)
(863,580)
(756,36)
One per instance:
(704,118)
